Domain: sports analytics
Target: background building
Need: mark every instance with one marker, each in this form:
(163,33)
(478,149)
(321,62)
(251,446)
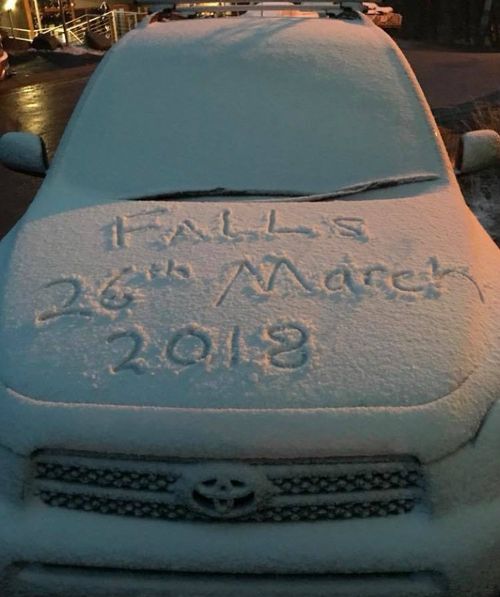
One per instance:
(454,22)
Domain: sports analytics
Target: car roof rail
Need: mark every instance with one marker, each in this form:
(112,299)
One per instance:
(339,9)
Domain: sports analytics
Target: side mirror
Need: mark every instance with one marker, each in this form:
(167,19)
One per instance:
(24,152)
(478,150)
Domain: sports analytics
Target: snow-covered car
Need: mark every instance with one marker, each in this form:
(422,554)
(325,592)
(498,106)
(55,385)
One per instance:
(250,331)
(4,62)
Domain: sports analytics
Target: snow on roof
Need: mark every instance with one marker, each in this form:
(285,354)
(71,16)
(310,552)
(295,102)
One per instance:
(293,104)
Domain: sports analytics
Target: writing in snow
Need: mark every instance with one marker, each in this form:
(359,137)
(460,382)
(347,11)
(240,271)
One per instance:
(267,279)
(171,230)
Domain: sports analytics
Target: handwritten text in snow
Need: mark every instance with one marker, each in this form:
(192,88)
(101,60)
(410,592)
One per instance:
(164,229)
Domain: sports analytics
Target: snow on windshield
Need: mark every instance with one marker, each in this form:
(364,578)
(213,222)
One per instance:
(307,105)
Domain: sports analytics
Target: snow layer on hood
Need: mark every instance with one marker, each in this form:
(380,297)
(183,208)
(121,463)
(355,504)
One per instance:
(295,104)
(249,305)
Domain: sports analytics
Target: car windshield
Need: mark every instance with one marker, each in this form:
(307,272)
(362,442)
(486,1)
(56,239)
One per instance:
(302,105)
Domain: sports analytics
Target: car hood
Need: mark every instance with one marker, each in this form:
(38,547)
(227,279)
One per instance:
(352,304)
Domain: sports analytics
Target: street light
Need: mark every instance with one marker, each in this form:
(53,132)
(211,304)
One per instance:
(9,6)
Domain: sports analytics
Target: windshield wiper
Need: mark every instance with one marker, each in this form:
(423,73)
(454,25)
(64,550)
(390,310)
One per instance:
(371,185)
(293,196)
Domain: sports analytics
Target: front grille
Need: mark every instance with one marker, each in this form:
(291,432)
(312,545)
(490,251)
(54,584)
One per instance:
(237,491)
(104,477)
(362,481)
(104,505)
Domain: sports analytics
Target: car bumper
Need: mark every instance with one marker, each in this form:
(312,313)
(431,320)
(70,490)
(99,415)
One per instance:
(83,554)
(83,582)
(446,546)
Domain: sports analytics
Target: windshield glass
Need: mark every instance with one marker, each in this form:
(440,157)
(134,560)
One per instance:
(308,105)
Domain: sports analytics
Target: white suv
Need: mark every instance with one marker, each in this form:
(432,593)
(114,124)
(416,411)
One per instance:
(250,332)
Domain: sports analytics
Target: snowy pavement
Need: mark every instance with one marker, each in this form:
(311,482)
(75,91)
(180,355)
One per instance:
(31,68)
(42,108)
(451,77)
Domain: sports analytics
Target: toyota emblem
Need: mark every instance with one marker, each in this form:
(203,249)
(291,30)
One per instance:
(224,496)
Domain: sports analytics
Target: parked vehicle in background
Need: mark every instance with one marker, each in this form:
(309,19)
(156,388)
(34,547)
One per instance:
(383,16)
(249,330)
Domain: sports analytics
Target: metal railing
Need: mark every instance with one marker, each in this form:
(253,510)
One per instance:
(113,24)
(76,29)
(18,33)
(123,22)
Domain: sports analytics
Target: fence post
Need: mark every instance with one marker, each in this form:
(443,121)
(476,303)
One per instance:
(11,23)
(29,17)
(37,14)
(63,19)
(485,20)
(113,24)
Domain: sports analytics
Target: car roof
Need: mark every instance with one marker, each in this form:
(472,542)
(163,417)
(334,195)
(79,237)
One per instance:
(351,36)
(294,104)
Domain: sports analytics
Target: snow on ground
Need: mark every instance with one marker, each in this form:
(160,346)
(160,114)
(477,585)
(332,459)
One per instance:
(78,51)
